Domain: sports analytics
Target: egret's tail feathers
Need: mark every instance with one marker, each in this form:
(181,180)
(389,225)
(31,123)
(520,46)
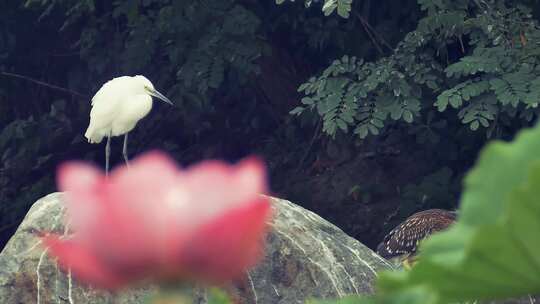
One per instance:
(93,136)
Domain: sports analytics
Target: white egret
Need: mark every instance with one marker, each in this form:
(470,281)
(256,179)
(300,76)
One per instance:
(117,107)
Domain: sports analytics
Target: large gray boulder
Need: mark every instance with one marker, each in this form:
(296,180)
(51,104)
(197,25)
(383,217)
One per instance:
(306,257)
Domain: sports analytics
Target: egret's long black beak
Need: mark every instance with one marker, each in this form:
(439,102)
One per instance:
(158,95)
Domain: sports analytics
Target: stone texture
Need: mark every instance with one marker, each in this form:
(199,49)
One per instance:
(524,300)
(306,257)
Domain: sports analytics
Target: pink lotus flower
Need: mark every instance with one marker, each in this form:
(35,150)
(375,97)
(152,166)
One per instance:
(154,220)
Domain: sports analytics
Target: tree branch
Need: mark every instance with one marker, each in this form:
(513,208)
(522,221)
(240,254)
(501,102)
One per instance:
(373,34)
(54,87)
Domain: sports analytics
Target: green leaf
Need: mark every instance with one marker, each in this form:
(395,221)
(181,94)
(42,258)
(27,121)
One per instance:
(341,124)
(296,111)
(329,6)
(498,84)
(408,116)
(307,101)
(330,126)
(345,300)
(362,131)
(484,122)
(396,112)
(217,296)
(347,116)
(442,101)
(455,101)
(373,129)
(303,86)
(474,125)
(344,8)
(377,123)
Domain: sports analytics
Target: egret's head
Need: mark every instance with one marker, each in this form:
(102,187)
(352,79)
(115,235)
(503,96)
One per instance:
(150,90)
(145,82)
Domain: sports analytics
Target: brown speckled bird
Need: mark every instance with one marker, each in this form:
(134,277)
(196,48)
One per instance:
(404,239)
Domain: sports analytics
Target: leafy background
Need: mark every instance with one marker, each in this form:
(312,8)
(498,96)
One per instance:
(365,111)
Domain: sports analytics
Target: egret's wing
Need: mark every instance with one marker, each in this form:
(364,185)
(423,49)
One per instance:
(106,106)
(111,88)
(102,116)
(103,112)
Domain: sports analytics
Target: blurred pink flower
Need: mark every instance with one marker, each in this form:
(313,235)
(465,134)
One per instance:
(206,223)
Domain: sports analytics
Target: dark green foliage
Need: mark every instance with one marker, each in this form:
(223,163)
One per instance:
(436,190)
(496,72)
(197,41)
(343,7)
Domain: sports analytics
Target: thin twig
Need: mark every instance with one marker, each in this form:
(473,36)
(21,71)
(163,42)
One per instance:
(43,84)
(371,31)
(461,43)
(373,39)
(306,153)
(381,38)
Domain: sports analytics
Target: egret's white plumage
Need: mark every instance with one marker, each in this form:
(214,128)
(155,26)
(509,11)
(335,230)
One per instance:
(117,107)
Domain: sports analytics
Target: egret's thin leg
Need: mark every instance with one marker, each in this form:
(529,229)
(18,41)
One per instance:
(124,150)
(107,154)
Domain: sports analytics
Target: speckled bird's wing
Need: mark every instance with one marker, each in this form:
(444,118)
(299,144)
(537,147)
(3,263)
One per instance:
(403,239)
